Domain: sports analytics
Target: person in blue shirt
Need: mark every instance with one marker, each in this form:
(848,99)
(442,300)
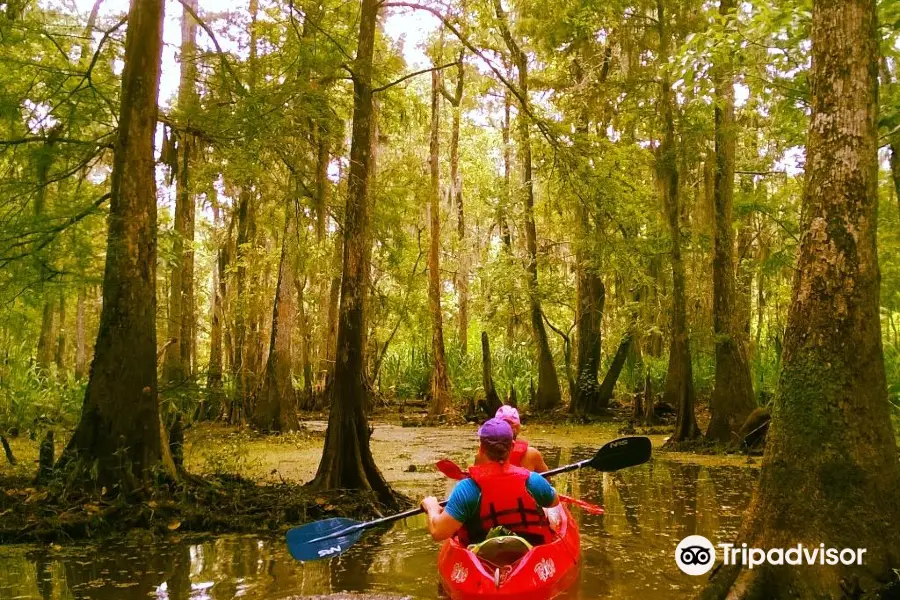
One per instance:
(497,494)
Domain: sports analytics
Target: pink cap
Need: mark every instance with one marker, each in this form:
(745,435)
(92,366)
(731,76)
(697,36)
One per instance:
(508,414)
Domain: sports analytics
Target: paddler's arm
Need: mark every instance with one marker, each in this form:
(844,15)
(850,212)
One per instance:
(439,522)
(541,490)
(534,461)
(463,503)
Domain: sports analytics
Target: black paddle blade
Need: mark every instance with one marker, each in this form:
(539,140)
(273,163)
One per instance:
(304,543)
(621,453)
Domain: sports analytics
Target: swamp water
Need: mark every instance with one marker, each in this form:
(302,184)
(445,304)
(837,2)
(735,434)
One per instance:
(626,553)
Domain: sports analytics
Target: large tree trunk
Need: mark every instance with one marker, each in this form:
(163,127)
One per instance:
(591,298)
(830,472)
(456,196)
(440,380)
(334,296)
(732,396)
(276,404)
(173,365)
(80,344)
(679,390)
(506,196)
(547,395)
(347,461)
(245,339)
(120,439)
(607,388)
(217,329)
(491,398)
(178,363)
(62,340)
(305,331)
(243,342)
(46,347)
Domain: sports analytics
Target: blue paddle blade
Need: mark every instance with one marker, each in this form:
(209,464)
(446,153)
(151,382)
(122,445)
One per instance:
(305,543)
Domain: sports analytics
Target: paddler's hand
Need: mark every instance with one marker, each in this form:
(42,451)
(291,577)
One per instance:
(430,505)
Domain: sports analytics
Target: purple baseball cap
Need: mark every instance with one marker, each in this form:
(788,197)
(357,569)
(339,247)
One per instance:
(496,430)
(508,414)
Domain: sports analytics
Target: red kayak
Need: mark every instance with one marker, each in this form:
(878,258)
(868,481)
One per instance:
(540,573)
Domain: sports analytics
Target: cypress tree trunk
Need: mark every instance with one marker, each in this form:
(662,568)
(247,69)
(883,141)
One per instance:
(440,380)
(46,348)
(506,198)
(732,397)
(679,391)
(334,296)
(605,392)
(347,461)
(591,298)
(120,437)
(173,365)
(80,350)
(456,195)
(276,404)
(491,398)
(62,340)
(547,395)
(243,376)
(830,472)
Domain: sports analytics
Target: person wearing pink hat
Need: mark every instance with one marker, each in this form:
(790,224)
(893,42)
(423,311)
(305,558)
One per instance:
(496,494)
(523,454)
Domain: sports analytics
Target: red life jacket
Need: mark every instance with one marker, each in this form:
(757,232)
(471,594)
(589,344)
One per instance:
(505,502)
(520,447)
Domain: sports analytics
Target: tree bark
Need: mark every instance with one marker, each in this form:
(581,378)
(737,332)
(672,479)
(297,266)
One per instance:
(506,197)
(832,385)
(120,439)
(45,347)
(679,390)
(80,350)
(276,403)
(243,347)
(334,296)
(591,298)
(491,398)
(347,461)
(547,396)
(456,196)
(62,340)
(732,397)
(305,332)
(607,388)
(440,380)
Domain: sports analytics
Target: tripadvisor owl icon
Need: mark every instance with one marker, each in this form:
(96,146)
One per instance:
(695,555)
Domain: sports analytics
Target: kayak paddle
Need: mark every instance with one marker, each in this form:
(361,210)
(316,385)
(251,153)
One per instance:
(333,537)
(453,471)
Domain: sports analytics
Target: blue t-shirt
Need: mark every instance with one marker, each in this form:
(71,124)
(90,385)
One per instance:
(465,499)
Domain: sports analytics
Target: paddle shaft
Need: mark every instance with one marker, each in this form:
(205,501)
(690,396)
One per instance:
(368,524)
(415,511)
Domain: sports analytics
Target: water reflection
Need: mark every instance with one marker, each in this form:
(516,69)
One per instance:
(628,552)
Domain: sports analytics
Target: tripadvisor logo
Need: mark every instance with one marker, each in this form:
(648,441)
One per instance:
(695,555)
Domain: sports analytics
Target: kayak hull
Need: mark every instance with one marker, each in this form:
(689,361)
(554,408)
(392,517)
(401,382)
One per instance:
(544,572)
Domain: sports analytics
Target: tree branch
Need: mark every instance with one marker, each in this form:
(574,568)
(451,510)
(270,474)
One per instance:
(523,102)
(411,75)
